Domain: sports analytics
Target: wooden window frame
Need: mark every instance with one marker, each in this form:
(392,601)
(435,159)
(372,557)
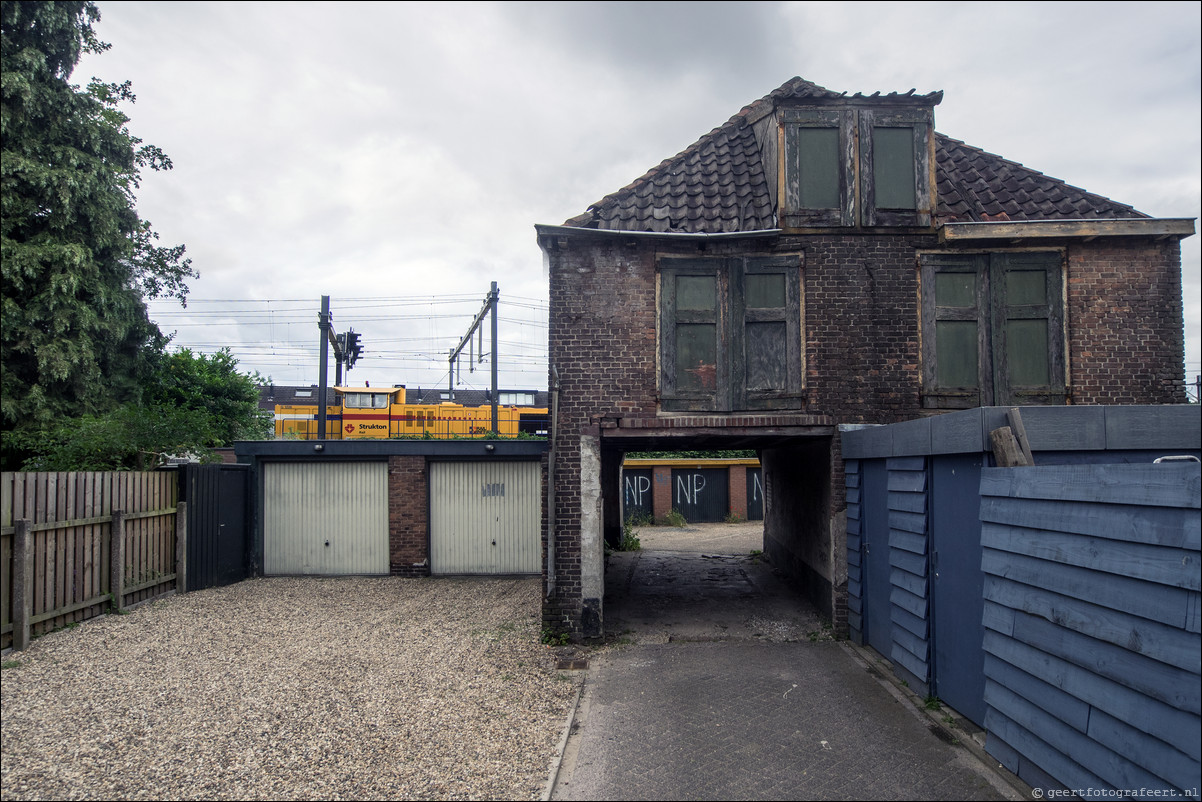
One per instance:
(920,121)
(793,213)
(731,318)
(991,312)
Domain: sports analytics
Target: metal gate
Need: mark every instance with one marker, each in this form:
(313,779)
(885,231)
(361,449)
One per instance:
(636,493)
(218,528)
(701,494)
(485,517)
(755,494)
(326,518)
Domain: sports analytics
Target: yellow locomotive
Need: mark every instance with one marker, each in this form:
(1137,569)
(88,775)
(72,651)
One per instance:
(382,413)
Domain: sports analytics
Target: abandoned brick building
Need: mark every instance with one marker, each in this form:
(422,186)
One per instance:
(824,259)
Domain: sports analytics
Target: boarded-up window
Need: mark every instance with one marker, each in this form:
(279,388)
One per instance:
(730,333)
(893,167)
(994,330)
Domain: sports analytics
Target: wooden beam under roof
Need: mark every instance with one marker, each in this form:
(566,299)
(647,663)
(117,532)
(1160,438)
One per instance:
(1045,229)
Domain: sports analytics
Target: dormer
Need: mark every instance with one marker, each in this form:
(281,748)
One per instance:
(840,161)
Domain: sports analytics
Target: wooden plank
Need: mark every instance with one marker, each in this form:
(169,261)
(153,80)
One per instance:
(1114,769)
(1164,485)
(903,599)
(1149,715)
(1149,600)
(998,618)
(906,465)
(1167,566)
(1065,707)
(915,585)
(1157,641)
(1162,526)
(915,665)
(1192,613)
(910,563)
(907,541)
(1173,686)
(1006,450)
(908,502)
(918,627)
(908,521)
(906,481)
(1015,419)
(1153,754)
(1034,749)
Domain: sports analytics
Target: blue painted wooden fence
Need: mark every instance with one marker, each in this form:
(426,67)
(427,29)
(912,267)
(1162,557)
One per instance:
(1092,644)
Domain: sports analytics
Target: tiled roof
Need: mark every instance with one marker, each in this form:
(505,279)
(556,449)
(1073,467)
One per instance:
(975,186)
(718,184)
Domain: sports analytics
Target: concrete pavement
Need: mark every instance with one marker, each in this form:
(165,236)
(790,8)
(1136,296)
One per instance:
(722,684)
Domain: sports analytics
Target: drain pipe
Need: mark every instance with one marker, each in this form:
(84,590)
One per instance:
(553,433)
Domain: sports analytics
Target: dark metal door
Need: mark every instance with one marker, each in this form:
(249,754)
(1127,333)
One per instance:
(957,585)
(874,511)
(218,524)
(701,495)
(755,494)
(636,494)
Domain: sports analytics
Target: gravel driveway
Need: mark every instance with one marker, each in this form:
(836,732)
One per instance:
(369,688)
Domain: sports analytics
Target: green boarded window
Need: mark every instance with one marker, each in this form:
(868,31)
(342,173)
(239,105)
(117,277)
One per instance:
(1026,287)
(956,290)
(893,167)
(696,356)
(819,158)
(956,345)
(696,293)
(765,290)
(1027,352)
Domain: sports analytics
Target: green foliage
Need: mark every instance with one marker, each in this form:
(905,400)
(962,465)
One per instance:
(552,638)
(742,454)
(76,259)
(673,517)
(932,703)
(630,541)
(195,402)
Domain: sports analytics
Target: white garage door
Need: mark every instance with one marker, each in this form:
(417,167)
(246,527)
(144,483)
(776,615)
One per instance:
(325,518)
(485,517)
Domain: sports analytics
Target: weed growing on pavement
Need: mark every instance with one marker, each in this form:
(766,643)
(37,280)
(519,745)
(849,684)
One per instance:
(553,638)
(734,518)
(932,703)
(11,664)
(674,517)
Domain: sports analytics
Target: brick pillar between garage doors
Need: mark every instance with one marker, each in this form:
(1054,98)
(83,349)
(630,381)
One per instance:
(408,524)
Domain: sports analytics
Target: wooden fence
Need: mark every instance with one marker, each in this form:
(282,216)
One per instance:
(60,533)
(1092,646)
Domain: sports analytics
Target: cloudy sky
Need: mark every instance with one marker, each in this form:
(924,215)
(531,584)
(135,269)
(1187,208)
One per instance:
(396,156)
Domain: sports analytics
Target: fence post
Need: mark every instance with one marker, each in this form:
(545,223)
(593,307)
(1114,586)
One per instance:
(117,562)
(181,547)
(22,583)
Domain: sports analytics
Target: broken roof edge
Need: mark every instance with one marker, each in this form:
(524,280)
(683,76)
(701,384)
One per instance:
(1175,227)
(546,229)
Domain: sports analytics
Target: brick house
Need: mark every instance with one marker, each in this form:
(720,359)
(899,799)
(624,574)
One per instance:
(823,259)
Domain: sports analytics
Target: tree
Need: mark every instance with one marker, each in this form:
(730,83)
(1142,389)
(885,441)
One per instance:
(192,404)
(77,260)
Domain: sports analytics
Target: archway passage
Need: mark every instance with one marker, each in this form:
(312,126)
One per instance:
(794,587)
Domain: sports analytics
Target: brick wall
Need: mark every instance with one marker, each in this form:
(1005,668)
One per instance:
(408,524)
(1125,314)
(861,335)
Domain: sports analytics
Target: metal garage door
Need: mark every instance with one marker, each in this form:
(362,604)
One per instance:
(327,518)
(485,517)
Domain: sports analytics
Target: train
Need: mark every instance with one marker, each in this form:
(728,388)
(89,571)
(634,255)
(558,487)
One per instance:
(382,413)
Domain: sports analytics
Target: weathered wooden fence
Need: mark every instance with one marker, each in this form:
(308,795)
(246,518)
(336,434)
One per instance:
(68,540)
(1092,644)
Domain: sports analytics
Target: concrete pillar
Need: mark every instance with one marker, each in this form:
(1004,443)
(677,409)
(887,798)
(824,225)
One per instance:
(592,550)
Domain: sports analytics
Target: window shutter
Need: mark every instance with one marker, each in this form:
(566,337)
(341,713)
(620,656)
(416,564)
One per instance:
(1028,328)
(766,353)
(693,337)
(955,333)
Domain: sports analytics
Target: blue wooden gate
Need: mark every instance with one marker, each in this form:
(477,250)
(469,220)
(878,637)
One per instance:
(957,604)
(874,548)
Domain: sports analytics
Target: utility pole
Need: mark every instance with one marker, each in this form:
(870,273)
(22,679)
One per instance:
(490,305)
(324,322)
